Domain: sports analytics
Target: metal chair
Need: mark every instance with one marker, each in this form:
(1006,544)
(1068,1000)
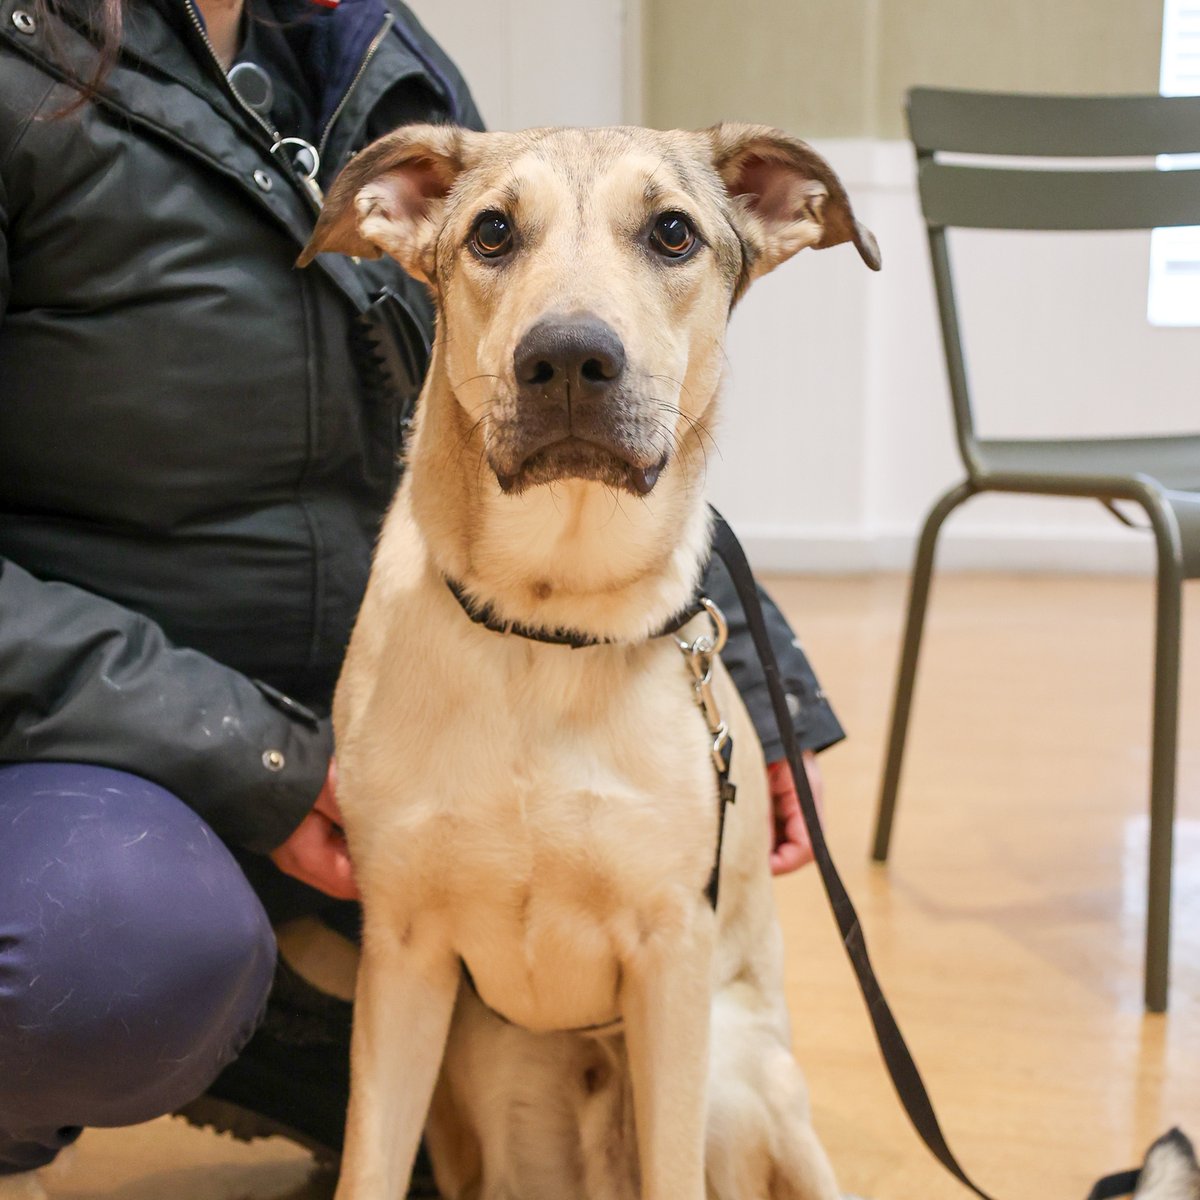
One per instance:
(1161,474)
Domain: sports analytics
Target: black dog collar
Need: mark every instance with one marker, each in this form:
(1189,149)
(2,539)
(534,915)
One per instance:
(484,616)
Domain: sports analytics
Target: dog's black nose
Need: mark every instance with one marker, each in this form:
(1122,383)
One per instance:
(575,357)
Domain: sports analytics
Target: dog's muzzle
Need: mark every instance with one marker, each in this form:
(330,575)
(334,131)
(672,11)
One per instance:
(575,415)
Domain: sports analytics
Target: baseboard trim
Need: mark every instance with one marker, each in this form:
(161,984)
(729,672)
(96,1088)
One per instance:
(1120,552)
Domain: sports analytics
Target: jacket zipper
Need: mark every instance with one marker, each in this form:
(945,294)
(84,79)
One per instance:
(198,25)
(309,186)
(362,67)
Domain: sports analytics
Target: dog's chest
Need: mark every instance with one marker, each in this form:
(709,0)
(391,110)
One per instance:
(558,812)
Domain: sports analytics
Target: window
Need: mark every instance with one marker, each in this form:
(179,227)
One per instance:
(1175,253)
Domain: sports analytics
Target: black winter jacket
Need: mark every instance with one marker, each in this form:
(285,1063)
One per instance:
(196,440)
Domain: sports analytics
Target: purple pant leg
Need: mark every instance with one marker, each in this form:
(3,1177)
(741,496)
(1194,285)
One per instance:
(135,959)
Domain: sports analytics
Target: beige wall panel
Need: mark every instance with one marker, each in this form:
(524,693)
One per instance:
(1014,45)
(800,64)
(839,68)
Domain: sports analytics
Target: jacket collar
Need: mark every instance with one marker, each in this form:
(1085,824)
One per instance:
(165,81)
(332,43)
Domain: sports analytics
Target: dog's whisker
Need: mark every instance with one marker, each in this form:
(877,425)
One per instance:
(678,444)
(616,499)
(703,450)
(485,448)
(454,460)
(484,408)
(672,380)
(471,431)
(473,378)
(696,423)
(483,454)
(675,442)
(698,428)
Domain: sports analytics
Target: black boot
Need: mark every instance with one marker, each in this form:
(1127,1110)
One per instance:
(292,1080)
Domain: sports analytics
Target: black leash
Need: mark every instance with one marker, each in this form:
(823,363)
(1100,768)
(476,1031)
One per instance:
(903,1070)
(1111,1186)
(899,1061)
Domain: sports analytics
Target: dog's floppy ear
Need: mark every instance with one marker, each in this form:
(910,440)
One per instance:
(786,197)
(389,198)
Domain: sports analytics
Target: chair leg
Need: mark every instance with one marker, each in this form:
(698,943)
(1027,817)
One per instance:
(918,598)
(1163,769)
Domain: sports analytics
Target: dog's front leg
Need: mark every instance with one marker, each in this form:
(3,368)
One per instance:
(666,1000)
(403,1001)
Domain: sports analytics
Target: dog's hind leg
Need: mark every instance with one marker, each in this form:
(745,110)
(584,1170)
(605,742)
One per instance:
(403,1003)
(513,1107)
(761,1144)
(454,1146)
(607,1130)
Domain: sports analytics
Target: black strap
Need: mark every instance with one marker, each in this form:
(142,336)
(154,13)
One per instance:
(903,1070)
(726,795)
(1124,1183)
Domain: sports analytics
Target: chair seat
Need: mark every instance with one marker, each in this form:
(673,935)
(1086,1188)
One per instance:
(1172,462)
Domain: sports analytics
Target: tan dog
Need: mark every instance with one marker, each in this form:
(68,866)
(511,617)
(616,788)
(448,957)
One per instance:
(548,816)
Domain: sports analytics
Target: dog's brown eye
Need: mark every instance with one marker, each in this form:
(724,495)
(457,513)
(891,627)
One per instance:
(673,235)
(492,235)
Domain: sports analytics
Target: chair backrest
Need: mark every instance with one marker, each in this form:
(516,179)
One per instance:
(947,125)
(1054,127)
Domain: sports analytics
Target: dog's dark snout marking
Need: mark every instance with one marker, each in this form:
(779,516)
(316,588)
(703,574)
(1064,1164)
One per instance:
(579,355)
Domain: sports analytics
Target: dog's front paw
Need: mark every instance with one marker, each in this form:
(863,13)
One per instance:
(26,1186)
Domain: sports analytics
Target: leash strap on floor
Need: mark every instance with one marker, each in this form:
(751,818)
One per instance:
(1111,1186)
(903,1070)
(896,1055)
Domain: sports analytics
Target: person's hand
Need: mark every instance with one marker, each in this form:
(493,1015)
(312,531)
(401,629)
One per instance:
(791,847)
(316,852)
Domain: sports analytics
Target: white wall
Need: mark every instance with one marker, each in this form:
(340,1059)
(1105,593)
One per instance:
(849,438)
(837,434)
(540,62)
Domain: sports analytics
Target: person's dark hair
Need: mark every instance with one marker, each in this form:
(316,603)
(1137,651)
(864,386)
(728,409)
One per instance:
(107,19)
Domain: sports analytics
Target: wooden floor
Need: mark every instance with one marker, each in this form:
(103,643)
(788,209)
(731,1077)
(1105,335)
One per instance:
(1007,929)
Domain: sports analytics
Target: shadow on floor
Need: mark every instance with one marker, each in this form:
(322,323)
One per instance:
(222,1182)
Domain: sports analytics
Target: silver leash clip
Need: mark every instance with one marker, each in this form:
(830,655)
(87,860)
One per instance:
(699,655)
